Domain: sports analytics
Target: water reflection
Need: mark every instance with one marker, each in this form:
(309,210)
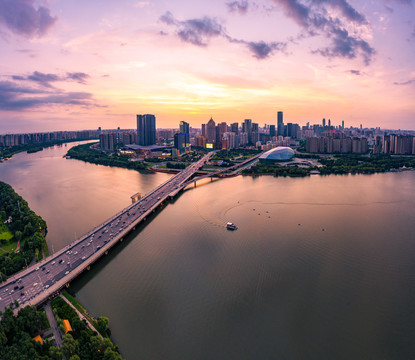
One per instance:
(183,287)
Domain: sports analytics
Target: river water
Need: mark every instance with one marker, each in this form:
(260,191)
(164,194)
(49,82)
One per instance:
(320,267)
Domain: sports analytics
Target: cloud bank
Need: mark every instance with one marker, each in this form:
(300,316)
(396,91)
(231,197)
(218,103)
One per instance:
(330,18)
(46,79)
(238,6)
(22,18)
(199,32)
(35,90)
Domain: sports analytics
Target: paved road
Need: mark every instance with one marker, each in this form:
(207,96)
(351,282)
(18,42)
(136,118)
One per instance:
(53,325)
(34,284)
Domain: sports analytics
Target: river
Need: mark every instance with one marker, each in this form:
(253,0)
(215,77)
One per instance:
(321,267)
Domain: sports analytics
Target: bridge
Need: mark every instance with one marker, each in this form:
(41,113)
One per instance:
(41,281)
(228,172)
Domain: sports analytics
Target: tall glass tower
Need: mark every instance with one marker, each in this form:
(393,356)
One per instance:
(146,129)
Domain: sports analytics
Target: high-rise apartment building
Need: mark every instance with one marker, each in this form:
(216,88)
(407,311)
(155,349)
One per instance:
(235,128)
(108,141)
(272,131)
(146,129)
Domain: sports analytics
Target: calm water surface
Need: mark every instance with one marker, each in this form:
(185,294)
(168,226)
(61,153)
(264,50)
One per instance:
(320,267)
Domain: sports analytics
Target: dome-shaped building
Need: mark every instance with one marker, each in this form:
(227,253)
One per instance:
(280,153)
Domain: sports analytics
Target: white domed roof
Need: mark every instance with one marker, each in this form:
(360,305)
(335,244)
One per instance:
(280,153)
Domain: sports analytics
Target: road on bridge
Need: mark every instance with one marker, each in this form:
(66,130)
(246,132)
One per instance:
(37,283)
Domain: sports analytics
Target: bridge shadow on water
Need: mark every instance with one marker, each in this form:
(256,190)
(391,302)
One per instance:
(78,283)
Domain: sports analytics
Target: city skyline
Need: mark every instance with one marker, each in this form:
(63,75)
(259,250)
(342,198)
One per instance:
(79,66)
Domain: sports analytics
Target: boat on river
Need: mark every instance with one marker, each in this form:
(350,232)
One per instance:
(231,226)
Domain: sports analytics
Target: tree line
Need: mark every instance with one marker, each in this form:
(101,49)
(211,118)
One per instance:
(31,148)
(26,226)
(17,333)
(85,153)
(341,164)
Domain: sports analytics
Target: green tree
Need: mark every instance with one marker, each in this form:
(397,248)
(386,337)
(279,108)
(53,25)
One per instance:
(18,235)
(103,324)
(56,354)
(70,346)
(111,355)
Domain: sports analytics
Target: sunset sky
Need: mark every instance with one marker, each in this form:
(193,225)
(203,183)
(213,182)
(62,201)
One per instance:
(68,65)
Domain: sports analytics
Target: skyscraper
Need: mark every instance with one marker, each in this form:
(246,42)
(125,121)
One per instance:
(185,130)
(146,129)
(248,129)
(184,127)
(272,130)
(211,131)
(280,124)
(234,128)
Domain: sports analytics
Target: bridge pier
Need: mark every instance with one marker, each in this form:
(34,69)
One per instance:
(211,179)
(88,267)
(194,183)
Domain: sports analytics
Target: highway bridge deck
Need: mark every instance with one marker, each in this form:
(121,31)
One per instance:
(37,283)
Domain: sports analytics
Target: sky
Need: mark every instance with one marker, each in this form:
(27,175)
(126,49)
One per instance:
(72,65)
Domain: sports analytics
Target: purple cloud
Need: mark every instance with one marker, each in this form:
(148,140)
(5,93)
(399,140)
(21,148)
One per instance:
(200,31)
(238,6)
(314,18)
(22,18)
(408,82)
(346,46)
(195,31)
(346,9)
(45,79)
(295,10)
(355,72)
(14,97)
(79,77)
(262,49)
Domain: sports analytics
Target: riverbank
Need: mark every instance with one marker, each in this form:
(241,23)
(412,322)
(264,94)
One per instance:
(85,153)
(22,236)
(338,165)
(7,153)
(22,233)
(61,334)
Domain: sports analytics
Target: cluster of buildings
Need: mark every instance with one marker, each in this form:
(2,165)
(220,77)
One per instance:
(209,136)
(146,139)
(338,143)
(9,140)
(394,144)
(322,138)
(224,136)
